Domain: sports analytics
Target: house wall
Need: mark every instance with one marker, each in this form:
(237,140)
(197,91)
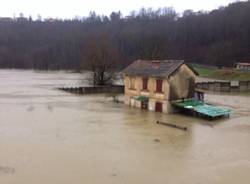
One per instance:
(151,92)
(154,97)
(166,105)
(182,83)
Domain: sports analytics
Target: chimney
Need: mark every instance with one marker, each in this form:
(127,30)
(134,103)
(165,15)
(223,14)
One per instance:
(156,64)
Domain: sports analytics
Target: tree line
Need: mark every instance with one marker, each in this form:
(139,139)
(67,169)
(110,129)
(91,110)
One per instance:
(220,37)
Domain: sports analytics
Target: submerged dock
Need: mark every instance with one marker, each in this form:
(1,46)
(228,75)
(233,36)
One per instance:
(201,109)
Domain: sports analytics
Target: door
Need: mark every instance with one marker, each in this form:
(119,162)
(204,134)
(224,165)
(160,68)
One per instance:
(144,105)
(158,107)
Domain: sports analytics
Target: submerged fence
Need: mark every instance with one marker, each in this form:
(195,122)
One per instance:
(233,86)
(94,90)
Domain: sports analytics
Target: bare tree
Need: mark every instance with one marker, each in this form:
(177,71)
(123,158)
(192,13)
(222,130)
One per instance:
(101,58)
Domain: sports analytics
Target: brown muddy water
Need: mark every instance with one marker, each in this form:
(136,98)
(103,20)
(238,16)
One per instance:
(51,137)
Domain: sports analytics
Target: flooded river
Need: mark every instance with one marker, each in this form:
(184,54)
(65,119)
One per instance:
(48,136)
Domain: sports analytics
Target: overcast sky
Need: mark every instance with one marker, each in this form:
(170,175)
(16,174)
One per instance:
(71,8)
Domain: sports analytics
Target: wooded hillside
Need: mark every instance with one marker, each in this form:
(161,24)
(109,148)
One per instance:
(220,37)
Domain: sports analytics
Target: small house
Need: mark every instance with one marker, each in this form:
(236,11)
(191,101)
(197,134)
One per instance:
(242,66)
(154,84)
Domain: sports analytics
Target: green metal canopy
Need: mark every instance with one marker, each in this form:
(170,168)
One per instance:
(202,108)
(212,111)
(142,98)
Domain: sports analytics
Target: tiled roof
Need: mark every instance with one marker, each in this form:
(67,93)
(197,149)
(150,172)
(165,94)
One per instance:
(154,68)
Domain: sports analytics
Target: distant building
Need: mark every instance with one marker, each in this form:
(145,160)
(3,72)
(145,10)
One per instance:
(154,84)
(242,66)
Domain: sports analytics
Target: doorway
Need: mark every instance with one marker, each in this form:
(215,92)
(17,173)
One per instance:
(144,105)
(158,107)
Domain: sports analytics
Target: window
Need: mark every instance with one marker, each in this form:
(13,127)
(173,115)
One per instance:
(159,86)
(132,83)
(145,83)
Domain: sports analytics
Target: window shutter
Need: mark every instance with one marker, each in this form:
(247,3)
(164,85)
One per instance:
(159,85)
(145,83)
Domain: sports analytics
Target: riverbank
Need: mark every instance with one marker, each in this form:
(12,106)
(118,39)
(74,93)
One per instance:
(222,74)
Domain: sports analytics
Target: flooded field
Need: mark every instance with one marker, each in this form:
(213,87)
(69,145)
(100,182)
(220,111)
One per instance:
(51,137)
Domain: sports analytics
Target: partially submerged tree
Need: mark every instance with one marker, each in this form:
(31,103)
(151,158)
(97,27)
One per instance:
(114,96)
(101,58)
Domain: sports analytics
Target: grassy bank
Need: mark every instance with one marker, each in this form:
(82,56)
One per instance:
(223,74)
